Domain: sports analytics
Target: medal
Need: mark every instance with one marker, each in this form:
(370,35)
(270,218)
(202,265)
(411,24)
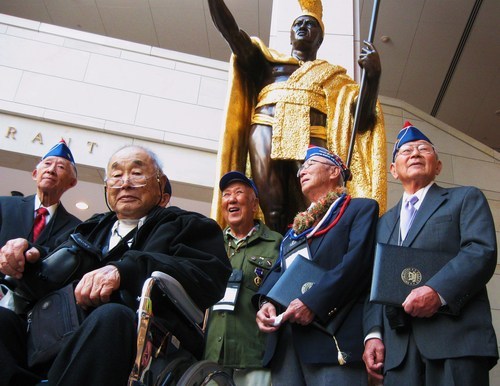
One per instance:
(259,274)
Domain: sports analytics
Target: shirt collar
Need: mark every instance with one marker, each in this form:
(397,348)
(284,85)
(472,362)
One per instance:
(129,224)
(230,234)
(38,204)
(421,193)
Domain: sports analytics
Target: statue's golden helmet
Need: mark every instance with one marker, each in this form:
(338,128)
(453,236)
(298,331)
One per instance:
(313,8)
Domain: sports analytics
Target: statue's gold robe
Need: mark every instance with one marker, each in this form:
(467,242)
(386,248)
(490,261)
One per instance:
(315,84)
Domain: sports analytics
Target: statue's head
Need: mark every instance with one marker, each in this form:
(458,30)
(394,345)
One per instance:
(306,31)
(308,27)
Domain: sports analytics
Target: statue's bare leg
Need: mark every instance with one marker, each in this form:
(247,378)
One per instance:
(279,191)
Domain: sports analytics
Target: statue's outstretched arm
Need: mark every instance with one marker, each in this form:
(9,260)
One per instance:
(238,40)
(369,60)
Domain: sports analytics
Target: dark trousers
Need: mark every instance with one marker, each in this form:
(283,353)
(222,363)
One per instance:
(288,370)
(417,370)
(13,357)
(100,352)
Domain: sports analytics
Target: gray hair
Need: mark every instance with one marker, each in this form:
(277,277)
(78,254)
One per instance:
(156,161)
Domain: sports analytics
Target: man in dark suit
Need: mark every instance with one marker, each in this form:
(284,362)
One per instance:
(416,344)
(54,175)
(336,233)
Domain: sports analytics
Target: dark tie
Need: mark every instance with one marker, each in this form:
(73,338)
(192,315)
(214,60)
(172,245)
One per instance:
(407,215)
(39,224)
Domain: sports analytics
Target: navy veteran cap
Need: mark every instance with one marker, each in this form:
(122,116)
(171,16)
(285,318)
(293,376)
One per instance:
(60,150)
(409,133)
(234,176)
(317,151)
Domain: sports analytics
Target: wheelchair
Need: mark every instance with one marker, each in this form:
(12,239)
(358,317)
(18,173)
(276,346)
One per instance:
(165,359)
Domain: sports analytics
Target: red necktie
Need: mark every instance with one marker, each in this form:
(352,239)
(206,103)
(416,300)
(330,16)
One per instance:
(39,224)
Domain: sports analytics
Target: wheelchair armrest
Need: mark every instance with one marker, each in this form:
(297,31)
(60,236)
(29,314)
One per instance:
(178,296)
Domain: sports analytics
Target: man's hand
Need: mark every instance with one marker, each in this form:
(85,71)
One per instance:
(96,287)
(265,318)
(369,60)
(422,302)
(13,257)
(298,312)
(374,356)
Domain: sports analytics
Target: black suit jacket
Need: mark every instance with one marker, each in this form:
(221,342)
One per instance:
(456,220)
(346,251)
(185,245)
(17,217)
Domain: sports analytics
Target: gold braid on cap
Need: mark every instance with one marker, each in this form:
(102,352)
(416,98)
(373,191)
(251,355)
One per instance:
(313,8)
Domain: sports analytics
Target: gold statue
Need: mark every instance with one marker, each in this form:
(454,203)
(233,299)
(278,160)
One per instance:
(281,104)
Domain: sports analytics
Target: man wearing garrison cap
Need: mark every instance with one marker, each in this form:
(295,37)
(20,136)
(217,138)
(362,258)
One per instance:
(40,218)
(233,338)
(336,233)
(442,333)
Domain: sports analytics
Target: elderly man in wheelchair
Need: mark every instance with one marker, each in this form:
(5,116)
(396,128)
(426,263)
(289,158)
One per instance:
(70,317)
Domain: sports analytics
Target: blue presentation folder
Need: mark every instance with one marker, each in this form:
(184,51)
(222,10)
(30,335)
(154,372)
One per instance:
(295,281)
(398,270)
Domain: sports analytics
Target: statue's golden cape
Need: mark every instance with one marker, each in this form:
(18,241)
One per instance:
(337,100)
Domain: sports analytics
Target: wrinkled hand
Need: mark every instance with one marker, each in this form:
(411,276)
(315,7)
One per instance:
(13,257)
(422,302)
(374,356)
(298,312)
(96,287)
(369,60)
(265,318)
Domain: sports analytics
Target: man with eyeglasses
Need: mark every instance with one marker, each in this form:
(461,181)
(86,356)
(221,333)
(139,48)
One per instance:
(337,233)
(138,236)
(417,344)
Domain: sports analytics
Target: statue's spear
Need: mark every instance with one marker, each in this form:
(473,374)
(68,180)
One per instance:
(362,89)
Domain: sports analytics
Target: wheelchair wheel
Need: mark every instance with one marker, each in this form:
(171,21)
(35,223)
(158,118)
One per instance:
(173,371)
(205,373)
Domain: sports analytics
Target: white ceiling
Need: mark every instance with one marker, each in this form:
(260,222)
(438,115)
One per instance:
(422,55)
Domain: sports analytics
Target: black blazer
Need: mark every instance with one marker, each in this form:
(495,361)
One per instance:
(17,217)
(346,251)
(456,220)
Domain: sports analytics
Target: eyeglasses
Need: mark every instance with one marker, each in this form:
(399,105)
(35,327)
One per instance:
(409,149)
(134,181)
(306,165)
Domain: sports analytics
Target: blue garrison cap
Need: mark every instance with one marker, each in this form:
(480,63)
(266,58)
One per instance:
(234,176)
(60,150)
(318,151)
(409,133)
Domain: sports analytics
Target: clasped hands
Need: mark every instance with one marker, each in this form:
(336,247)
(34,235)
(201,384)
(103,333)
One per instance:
(14,255)
(296,312)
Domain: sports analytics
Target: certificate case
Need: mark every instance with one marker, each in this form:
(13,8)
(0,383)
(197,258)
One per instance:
(398,270)
(296,280)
